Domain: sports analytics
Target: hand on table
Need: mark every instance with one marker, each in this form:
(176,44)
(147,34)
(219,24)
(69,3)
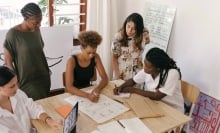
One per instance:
(94,95)
(55,124)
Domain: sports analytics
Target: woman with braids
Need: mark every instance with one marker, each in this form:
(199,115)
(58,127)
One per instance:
(127,47)
(161,78)
(23,52)
(80,68)
(16,109)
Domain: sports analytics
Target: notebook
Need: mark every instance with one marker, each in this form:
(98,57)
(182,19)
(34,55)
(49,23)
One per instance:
(70,120)
(64,110)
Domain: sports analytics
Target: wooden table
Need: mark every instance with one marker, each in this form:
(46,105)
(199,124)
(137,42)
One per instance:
(171,119)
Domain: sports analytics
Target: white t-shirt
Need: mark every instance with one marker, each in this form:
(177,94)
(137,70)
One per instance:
(172,87)
(24,109)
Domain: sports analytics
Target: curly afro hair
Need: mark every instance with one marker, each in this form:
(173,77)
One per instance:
(89,38)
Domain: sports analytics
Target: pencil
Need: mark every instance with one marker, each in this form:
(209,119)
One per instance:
(118,101)
(120,124)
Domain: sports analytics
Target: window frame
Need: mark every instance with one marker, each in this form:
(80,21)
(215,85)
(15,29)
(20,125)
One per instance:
(83,10)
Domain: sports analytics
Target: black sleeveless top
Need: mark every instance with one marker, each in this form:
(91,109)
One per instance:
(82,75)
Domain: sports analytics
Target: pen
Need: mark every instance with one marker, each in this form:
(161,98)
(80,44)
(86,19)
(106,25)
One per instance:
(116,87)
(120,124)
(118,101)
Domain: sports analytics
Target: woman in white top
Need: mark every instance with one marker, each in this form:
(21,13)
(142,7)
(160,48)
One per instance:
(161,78)
(16,109)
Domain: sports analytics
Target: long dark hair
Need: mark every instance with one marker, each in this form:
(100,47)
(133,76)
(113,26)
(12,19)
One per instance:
(139,26)
(159,59)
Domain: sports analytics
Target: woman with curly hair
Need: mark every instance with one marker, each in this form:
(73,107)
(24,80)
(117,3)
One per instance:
(80,68)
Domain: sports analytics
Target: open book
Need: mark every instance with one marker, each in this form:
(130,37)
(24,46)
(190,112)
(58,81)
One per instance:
(132,125)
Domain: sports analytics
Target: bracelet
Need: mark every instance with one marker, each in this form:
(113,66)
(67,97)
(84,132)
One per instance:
(48,117)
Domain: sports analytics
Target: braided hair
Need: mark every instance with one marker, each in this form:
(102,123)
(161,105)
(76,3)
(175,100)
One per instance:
(31,10)
(159,59)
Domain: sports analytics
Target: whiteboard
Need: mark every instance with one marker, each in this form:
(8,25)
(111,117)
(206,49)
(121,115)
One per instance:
(159,19)
(58,42)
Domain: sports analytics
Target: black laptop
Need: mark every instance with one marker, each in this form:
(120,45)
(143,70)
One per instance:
(70,120)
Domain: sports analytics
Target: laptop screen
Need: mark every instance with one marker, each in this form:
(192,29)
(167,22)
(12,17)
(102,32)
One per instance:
(70,120)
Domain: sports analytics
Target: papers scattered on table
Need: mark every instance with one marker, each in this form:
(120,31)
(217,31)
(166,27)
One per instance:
(105,109)
(144,107)
(123,95)
(117,82)
(132,125)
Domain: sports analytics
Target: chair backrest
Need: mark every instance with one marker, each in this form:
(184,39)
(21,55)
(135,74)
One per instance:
(190,92)
(64,79)
(76,42)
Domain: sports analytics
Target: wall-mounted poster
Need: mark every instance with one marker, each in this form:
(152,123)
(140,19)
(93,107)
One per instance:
(206,115)
(159,19)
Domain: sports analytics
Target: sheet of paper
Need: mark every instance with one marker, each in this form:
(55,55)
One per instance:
(105,109)
(110,127)
(123,95)
(118,83)
(95,131)
(135,125)
(131,125)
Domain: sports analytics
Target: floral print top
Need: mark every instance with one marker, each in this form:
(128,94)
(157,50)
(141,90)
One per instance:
(129,58)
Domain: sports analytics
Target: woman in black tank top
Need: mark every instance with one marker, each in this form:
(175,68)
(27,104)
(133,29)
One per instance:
(80,68)
(82,75)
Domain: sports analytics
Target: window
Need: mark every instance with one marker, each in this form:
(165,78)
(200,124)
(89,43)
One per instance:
(55,12)
(70,12)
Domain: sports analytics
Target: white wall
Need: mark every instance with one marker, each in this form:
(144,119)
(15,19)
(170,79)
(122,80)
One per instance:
(194,39)
(58,43)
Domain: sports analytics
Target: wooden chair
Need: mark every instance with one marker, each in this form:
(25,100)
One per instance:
(76,42)
(190,94)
